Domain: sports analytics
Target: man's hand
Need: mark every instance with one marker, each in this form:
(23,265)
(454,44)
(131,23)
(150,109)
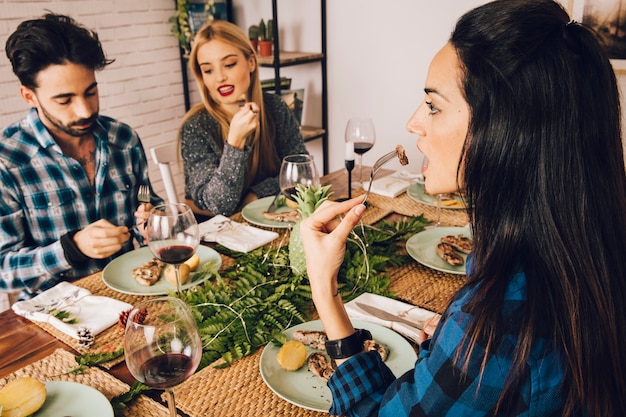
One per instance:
(101,239)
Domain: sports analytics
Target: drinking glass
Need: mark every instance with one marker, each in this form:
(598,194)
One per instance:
(438,196)
(360,130)
(162,345)
(173,235)
(294,170)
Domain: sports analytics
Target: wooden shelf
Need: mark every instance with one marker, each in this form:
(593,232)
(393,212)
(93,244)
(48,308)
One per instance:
(290,58)
(310,133)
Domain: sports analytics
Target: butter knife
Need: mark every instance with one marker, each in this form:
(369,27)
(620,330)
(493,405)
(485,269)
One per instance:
(385,315)
(272,207)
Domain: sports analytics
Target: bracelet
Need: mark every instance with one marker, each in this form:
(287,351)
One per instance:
(348,346)
(73,255)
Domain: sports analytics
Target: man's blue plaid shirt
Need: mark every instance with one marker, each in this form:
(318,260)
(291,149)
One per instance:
(364,385)
(45,194)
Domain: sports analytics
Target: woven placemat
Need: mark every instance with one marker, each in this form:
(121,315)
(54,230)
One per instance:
(222,393)
(55,366)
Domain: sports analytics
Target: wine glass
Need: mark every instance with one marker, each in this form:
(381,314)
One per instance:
(360,130)
(173,235)
(162,345)
(439,196)
(294,170)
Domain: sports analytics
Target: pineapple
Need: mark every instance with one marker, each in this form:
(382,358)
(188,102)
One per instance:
(308,198)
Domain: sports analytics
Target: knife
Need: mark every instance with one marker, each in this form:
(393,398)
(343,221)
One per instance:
(272,207)
(385,315)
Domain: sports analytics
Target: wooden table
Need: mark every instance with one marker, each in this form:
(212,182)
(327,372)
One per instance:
(23,342)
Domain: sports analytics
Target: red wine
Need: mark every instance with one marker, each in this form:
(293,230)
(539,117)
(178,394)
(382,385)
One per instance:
(362,147)
(167,370)
(290,193)
(175,254)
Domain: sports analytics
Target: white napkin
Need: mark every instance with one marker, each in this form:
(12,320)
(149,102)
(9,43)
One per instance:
(398,308)
(94,312)
(392,185)
(236,236)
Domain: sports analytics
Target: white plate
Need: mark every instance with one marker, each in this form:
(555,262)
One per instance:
(116,274)
(253,213)
(423,248)
(306,390)
(416,192)
(73,399)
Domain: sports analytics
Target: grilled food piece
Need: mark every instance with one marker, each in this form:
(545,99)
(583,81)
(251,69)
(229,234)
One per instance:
(320,366)
(315,339)
(370,345)
(446,252)
(148,273)
(285,216)
(402,155)
(460,243)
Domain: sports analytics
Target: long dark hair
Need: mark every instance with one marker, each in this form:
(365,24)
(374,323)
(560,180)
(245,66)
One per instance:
(52,40)
(544,175)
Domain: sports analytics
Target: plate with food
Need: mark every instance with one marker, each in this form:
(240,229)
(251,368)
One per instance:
(282,217)
(139,273)
(29,396)
(449,201)
(307,388)
(441,248)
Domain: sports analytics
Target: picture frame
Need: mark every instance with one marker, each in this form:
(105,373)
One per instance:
(295,101)
(608,19)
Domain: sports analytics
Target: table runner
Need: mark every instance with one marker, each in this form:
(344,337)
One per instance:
(55,366)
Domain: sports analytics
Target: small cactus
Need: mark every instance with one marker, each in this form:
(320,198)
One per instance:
(266,31)
(262,30)
(270,30)
(253,32)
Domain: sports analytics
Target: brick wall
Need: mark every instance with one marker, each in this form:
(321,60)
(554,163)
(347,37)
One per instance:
(142,88)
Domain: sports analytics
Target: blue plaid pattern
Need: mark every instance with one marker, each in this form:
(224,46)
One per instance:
(364,385)
(45,194)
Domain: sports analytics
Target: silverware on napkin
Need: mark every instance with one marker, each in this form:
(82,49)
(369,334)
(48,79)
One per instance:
(384,315)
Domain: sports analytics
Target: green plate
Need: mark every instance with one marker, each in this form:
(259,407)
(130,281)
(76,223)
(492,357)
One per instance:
(253,213)
(417,193)
(73,399)
(306,390)
(423,248)
(116,274)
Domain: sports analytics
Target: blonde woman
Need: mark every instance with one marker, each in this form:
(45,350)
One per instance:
(233,142)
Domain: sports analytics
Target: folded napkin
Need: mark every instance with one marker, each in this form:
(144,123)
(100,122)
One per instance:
(418,316)
(69,308)
(236,236)
(392,185)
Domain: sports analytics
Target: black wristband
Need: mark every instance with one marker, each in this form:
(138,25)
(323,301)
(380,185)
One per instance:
(73,255)
(348,346)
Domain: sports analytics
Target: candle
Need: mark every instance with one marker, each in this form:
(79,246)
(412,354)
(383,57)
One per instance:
(349,151)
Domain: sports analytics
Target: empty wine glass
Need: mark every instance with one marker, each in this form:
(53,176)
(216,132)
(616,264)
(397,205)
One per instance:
(162,345)
(294,170)
(360,130)
(439,196)
(173,235)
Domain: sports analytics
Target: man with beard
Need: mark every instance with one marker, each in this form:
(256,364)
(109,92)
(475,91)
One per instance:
(68,176)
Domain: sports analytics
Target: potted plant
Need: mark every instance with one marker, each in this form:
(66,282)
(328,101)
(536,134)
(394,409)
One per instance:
(253,35)
(266,37)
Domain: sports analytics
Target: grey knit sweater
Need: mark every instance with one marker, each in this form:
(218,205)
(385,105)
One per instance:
(215,171)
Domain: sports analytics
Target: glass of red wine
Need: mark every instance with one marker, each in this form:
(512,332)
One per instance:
(360,130)
(173,235)
(294,170)
(162,345)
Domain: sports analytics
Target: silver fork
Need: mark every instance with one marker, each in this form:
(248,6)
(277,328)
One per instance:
(143,195)
(377,166)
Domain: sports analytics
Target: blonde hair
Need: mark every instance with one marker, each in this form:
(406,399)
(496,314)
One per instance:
(262,156)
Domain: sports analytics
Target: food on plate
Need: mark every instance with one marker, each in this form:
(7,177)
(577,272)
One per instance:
(292,355)
(315,339)
(459,243)
(370,345)
(194,262)
(320,366)
(291,204)
(402,155)
(170,273)
(148,273)
(446,252)
(22,397)
(451,202)
(286,216)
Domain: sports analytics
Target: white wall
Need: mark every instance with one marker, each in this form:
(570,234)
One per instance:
(378,56)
